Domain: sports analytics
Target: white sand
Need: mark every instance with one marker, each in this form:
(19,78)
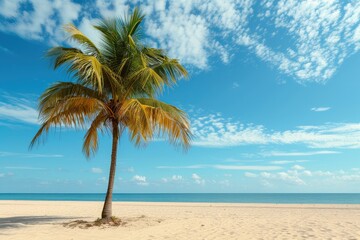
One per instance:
(43,220)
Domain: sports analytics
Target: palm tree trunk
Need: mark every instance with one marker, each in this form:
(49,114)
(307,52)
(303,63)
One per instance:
(107,209)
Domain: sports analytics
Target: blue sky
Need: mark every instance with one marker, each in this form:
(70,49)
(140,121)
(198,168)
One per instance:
(273,98)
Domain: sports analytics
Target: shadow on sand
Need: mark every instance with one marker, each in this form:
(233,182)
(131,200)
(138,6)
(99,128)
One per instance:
(23,221)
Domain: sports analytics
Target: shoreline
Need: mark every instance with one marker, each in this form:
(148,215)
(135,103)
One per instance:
(169,220)
(245,198)
(205,204)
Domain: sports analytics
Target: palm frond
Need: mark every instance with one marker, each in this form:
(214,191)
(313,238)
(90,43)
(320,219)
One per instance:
(76,106)
(112,47)
(70,112)
(131,28)
(151,72)
(147,118)
(168,68)
(76,35)
(60,91)
(145,80)
(131,23)
(113,83)
(90,144)
(86,68)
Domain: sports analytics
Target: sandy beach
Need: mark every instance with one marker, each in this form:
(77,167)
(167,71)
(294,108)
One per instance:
(46,220)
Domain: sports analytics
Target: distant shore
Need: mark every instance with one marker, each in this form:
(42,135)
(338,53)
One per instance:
(169,220)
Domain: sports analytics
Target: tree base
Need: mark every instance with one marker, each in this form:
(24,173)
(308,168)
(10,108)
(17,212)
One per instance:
(112,221)
(100,222)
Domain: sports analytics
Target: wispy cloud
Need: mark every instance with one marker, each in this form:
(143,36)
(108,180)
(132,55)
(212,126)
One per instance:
(291,154)
(254,168)
(176,177)
(281,162)
(182,167)
(292,177)
(196,31)
(197,179)
(96,170)
(225,167)
(213,130)
(297,167)
(140,180)
(173,178)
(232,160)
(298,175)
(24,168)
(320,109)
(29,155)
(250,175)
(18,109)
(321,42)
(5,50)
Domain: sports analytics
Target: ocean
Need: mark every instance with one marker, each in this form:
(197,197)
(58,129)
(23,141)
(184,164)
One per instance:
(291,198)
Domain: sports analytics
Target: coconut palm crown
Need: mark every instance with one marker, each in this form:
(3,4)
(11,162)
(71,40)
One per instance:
(115,89)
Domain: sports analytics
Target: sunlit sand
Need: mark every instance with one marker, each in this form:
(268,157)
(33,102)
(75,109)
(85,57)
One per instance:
(50,220)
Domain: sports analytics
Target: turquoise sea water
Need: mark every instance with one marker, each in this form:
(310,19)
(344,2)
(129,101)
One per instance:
(326,198)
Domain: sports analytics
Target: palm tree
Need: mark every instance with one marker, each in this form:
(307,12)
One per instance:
(115,91)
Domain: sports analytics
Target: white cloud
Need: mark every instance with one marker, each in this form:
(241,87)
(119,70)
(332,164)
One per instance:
(321,34)
(176,178)
(197,179)
(178,28)
(250,175)
(297,167)
(320,109)
(87,27)
(140,180)
(96,170)
(299,176)
(254,168)
(179,167)
(225,167)
(291,154)
(112,8)
(290,176)
(18,109)
(281,162)
(215,131)
(41,21)
(173,178)
(322,173)
(24,168)
(9,9)
(29,155)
